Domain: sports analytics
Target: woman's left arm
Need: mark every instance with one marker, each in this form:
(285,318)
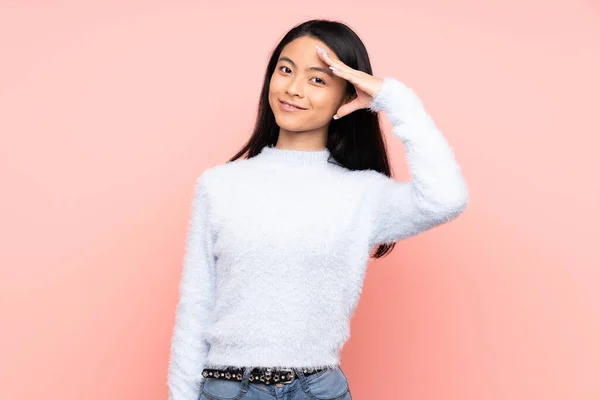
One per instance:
(437,191)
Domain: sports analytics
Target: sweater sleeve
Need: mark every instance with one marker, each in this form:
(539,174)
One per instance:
(436,193)
(196,295)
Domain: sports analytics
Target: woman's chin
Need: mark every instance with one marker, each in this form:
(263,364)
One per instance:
(285,124)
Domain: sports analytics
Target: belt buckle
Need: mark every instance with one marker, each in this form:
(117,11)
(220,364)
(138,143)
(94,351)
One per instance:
(292,373)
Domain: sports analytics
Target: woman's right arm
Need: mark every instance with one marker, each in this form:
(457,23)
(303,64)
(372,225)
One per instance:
(196,296)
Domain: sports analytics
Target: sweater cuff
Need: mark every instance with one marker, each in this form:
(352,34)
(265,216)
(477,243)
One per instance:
(401,104)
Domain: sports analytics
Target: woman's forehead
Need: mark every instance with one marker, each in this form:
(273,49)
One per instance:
(304,46)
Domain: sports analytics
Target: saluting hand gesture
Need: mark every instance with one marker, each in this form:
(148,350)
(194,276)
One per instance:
(366,85)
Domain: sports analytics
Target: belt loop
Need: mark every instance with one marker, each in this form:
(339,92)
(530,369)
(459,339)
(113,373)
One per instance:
(302,379)
(246,379)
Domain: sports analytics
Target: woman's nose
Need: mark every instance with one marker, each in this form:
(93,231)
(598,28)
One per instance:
(295,88)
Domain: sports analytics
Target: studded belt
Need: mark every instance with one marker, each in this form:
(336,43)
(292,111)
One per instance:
(265,375)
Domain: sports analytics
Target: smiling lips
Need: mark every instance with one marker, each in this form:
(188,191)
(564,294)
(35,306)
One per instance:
(289,107)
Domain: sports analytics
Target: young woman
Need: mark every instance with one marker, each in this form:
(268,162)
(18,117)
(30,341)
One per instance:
(279,241)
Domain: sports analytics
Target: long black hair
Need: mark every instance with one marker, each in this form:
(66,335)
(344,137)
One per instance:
(354,141)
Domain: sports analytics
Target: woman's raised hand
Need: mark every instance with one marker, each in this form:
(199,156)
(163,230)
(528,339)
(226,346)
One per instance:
(366,85)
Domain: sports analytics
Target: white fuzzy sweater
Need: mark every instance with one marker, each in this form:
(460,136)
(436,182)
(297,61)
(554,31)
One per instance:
(278,245)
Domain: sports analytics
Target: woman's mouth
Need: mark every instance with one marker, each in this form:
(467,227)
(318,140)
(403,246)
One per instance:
(287,107)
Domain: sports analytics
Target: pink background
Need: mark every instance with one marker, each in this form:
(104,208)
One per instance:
(109,110)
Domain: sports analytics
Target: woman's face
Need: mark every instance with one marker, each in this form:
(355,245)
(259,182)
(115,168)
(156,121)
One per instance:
(303,79)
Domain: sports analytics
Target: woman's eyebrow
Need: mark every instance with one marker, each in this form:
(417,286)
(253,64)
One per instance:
(323,70)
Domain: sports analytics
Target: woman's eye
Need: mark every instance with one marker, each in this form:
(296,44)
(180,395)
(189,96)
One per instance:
(319,80)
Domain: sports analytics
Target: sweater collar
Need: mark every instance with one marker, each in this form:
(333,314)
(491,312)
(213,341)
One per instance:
(294,157)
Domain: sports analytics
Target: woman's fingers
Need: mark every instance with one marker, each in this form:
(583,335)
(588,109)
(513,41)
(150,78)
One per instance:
(348,108)
(339,68)
(333,62)
(361,80)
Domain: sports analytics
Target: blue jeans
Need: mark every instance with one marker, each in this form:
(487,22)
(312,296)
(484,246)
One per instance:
(329,384)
